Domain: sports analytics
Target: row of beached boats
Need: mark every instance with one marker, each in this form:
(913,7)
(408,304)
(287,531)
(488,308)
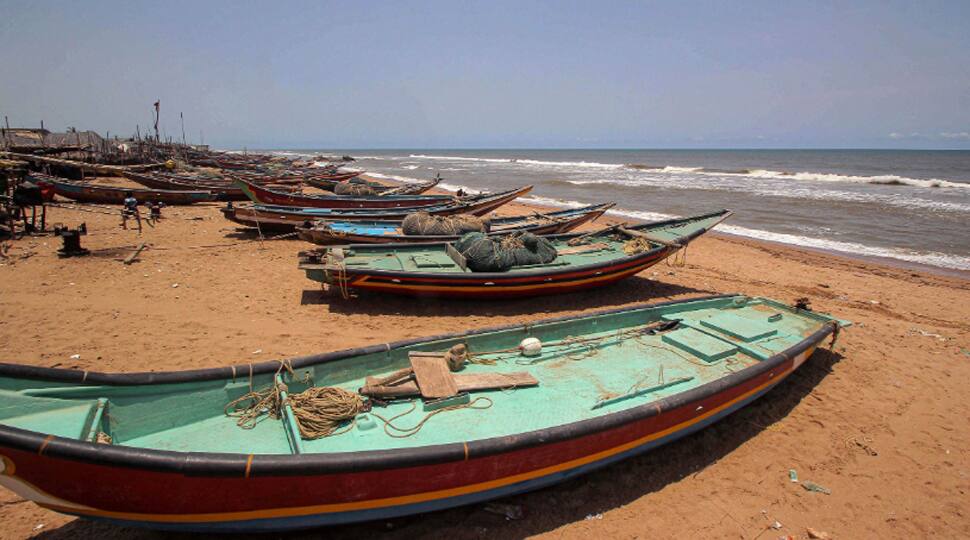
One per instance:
(412,426)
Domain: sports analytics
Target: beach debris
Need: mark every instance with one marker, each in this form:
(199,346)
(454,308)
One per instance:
(134,256)
(793,475)
(924,333)
(863,444)
(39,527)
(175,285)
(590,517)
(817,535)
(776,525)
(75,357)
(812,486)
(257,351)
(874,302)
(511,512)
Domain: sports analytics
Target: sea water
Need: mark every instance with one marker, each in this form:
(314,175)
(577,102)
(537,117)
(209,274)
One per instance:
(909,205)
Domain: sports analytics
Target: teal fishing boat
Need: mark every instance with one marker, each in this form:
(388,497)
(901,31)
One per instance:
(582,261)
(391,429)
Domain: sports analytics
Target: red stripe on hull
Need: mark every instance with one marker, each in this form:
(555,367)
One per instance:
(523,286)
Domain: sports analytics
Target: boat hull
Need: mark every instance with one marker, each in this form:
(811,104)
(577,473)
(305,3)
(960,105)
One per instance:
(223,192)
(262,195)
(116,195)
(490,286)
(286,219)
(238,493)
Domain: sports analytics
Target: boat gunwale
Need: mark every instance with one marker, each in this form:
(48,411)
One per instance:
(234,464)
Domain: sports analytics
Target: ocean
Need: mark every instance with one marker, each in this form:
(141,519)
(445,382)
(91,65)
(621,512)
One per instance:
(908,205)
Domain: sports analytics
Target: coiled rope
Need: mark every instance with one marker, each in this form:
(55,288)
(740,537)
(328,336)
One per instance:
(317,411)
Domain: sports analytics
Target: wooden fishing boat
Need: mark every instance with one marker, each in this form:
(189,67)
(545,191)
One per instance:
(225,191)
(412,189)
(329,179)
(92,193)
(287,178)
(285,218)
(263,195)
(437,269)
(156,449)
(389,232)
(381,189)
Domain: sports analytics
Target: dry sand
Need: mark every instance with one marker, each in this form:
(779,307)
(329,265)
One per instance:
(881,421)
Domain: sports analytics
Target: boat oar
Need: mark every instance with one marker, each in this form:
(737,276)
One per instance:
(606,230)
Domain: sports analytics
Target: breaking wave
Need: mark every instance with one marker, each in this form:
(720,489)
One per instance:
(932,258)
(807,176)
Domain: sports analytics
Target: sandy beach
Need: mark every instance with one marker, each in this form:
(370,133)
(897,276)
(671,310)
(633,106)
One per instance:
(880,421)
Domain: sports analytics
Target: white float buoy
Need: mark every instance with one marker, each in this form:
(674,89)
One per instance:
(530,347)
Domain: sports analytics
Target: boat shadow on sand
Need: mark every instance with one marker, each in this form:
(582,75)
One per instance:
(630,290)
(573,501)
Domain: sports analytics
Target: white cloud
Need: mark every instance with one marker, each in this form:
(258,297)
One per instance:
(965,135)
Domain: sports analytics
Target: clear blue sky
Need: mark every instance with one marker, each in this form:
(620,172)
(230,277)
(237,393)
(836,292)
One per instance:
(497,74)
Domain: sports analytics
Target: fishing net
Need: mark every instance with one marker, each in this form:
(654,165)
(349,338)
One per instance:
(424,224)
(636,245)
(485,254)
(353,188)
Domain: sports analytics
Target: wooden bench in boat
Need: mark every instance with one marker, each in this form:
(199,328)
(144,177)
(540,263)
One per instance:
(430,378)
(67,418)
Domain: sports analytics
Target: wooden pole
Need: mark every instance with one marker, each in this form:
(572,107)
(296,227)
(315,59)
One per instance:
(158,105)
(131,258)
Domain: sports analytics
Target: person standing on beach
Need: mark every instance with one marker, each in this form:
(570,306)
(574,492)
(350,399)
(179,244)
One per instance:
(130,209)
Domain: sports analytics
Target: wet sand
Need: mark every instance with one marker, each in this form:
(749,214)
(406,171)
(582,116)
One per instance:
(881,421)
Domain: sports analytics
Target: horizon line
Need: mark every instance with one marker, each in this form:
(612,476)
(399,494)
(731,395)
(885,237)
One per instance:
(563,148)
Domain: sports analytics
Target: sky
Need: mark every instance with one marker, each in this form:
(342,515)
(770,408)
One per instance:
(496,74)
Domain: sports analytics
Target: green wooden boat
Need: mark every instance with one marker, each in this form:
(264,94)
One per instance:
(532,405)
(584,261)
